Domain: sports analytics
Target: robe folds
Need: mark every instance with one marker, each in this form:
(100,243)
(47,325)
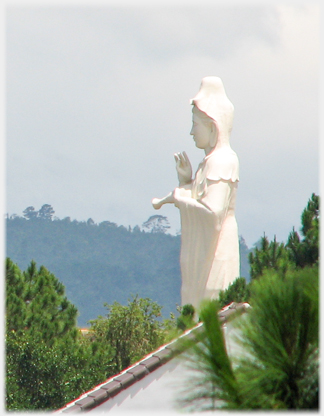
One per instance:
(209,256)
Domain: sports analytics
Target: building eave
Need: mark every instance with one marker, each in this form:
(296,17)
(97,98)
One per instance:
(134,374)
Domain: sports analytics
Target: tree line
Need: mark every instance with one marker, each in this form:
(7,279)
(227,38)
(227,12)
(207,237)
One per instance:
(104,261)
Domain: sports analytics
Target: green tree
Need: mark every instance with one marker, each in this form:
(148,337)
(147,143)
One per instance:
(298,252)
(42,376)
(238,291)
(30,213)
(279,334)
(282,335)
(35,373)
(48,361)
(156,224)
(305,251)
(132,330)
(270,255)
(186,318)
(46,212)
(16,307)
(36,302)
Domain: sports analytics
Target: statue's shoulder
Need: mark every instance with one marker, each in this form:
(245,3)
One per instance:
(225,154)
(222,164)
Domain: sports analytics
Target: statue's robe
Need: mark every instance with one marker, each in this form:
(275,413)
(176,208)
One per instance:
(209,236)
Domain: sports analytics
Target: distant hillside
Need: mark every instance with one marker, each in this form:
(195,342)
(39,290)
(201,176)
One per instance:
(102,263)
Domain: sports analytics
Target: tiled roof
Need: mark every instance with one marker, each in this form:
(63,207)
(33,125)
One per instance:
(133,374)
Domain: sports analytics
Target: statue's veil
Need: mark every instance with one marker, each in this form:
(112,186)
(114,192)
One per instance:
(213,101)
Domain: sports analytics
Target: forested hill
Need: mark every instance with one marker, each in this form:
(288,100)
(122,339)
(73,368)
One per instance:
(102,263)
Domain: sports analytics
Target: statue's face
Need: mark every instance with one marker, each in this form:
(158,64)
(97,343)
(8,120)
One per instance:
(201,132)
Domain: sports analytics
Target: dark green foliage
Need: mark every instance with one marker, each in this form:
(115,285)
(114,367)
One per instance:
(36,301)
(279,368)
(238,291)
(186,319)
(281,333)
(188,310)
(98,261)
(298,252)
(34,373)
(156,224)
(132,331)
(15,297)
(304,251)
(46,212)
(30,213)
(47,376)
(270,255)
(48,362)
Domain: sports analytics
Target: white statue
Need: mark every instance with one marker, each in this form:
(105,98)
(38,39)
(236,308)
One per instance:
(209,238)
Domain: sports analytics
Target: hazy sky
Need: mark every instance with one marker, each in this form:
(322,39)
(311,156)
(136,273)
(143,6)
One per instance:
(97,102)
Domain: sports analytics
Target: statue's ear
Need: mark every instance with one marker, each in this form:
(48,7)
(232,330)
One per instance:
(213,135)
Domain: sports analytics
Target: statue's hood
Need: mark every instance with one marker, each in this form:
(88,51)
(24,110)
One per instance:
(212,100)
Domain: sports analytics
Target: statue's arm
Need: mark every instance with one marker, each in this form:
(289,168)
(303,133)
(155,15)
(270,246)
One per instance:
(217,196)
(214,203)
(184,170)
(169,199)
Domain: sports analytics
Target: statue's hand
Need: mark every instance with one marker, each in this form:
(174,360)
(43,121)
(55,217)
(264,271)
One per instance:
(183,167)
(157,203)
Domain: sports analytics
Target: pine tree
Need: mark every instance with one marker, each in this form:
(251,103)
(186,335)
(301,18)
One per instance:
(16,307)
(48,362)
(270,255)
(48,311)
(238,291)
(30,213)
(156,224)
(280,339)
(46,212)
(298,252)
(305,251)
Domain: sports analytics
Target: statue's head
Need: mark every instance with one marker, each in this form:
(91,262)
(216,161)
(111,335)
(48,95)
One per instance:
(213,102)
(204,130)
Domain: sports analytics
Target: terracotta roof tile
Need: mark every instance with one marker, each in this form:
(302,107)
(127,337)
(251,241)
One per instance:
(151,363)
(99,394)
(86,402)
(125,379)
(163,355)
(139,371)
(112,387)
